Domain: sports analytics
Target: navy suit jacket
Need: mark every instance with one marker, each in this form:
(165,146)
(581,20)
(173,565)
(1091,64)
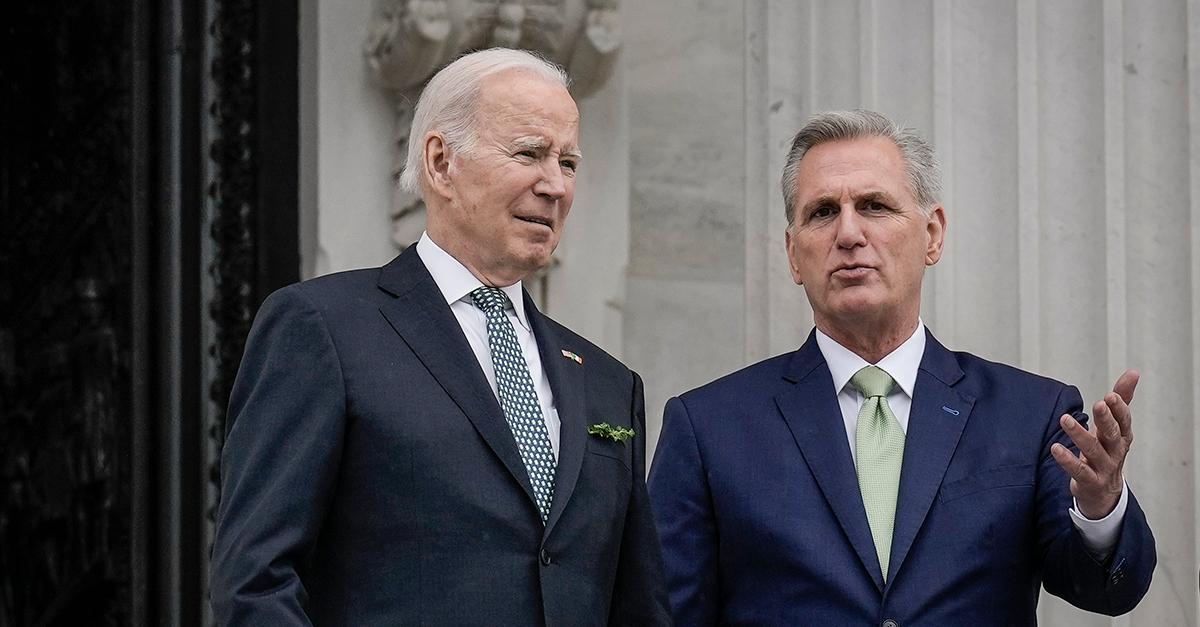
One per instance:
(369,476)
(762,522)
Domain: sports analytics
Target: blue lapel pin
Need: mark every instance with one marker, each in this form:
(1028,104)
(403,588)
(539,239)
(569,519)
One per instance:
(952,412)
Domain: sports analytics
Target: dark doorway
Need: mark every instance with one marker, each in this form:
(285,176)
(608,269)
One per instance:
(147,205)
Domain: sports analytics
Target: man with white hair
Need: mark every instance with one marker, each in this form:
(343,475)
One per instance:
(873,477)
(417,444)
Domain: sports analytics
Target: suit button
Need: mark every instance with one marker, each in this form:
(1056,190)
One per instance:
(545,557)
(889,623)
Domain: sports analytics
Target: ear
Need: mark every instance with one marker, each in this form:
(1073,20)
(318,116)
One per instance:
(793,264)
(436,157)
(936,228)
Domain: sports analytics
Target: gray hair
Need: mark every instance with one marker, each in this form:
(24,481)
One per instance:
(924,175)
(449,101)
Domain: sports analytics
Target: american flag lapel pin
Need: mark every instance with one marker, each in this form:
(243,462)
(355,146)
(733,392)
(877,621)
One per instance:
(572,356)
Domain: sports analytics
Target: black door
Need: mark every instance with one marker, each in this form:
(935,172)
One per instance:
(147,204)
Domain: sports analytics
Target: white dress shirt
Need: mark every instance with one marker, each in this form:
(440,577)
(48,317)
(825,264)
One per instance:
(1099,536)
(456,284)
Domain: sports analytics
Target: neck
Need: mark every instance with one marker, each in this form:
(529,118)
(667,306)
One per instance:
(871,341)
(464,253)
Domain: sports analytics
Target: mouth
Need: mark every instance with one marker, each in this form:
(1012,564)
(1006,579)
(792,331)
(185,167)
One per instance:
(546,222)
(852,272)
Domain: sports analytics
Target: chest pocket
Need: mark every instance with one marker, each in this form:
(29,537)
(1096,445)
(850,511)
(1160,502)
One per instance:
(618,451)
(991,479)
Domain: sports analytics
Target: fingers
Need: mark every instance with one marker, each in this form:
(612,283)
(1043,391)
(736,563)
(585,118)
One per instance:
(1126,384)
(1118,407)
(1113,417)
(1095,473)
(1073,466)
(1090,447)
(1107,428)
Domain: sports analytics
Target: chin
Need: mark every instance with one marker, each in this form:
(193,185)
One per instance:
(539,254)
(859,298)
(531,262)
(858,309)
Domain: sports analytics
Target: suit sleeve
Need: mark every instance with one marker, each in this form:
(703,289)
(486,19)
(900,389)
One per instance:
(278,464)
(1113,586)
(639,595)
(686,521)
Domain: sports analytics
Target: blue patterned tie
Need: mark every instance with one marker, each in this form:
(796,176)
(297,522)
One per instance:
(517,396)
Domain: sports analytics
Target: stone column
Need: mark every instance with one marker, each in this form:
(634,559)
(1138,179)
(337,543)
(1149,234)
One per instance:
(1070,135)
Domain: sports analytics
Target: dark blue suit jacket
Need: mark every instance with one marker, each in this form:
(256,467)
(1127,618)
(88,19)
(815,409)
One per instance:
(762,522)
(369,476)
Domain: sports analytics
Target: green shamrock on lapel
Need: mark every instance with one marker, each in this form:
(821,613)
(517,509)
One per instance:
(605,430)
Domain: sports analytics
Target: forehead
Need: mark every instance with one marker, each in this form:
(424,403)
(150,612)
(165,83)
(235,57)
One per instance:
(516,103)
(852,165)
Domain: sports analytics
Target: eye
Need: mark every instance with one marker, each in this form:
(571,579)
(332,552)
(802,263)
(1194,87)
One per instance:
(874,206)
(822,212)
(568,165)
(527,153)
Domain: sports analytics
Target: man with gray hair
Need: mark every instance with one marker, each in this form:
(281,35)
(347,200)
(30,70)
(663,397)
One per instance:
(873,476)
(417,443)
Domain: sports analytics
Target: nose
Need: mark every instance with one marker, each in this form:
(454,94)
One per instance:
(850,225)
(551,183)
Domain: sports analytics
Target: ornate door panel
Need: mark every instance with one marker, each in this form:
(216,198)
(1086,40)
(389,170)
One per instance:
(147,205)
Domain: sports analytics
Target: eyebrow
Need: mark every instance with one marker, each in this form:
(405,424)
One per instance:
(538,143)
(879,196)
(874,195)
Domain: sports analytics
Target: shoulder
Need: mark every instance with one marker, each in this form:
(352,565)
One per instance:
(984,376)
(316,308)
(981,379)
(726,414)
(1022,397)
(325,295)
(323,291)
(760,381)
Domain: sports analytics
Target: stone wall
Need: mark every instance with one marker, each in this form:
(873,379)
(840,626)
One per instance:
(1070,135)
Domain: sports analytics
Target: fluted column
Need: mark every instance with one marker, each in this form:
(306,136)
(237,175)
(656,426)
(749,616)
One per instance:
(1070,136)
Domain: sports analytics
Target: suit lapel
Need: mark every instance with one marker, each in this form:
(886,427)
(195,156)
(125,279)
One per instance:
(420,315)
(815,419)
(567,384)
(935,424)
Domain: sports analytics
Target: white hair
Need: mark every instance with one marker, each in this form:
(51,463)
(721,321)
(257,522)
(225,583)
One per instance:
(450,99)
(924,175)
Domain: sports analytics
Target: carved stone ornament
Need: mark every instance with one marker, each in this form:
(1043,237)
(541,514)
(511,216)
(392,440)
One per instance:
(410,40)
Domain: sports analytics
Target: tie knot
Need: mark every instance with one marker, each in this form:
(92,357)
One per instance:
(489,298)
(873,381)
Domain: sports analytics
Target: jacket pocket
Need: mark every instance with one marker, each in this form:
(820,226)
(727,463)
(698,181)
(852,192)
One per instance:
(1001,477)
(615,450)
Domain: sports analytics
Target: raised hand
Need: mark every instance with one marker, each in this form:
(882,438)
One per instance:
(1096,474)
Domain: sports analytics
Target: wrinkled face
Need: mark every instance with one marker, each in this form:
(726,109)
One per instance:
(859,243)
(506,200)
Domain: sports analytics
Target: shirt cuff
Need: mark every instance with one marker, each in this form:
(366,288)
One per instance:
(1100,536)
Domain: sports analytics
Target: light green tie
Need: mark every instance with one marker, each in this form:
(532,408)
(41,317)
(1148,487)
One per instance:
(878,451)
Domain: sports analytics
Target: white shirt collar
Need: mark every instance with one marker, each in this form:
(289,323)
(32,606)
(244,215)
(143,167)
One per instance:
(902,363)
(456,282)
